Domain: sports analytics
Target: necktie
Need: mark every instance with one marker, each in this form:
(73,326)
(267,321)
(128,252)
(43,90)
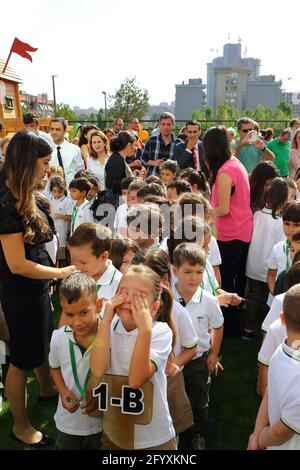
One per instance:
(182,302)
(60,159)
(195,159)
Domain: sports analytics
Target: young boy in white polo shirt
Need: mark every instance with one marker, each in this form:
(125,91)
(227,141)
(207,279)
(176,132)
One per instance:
(69,360)
(90,248)
(79,188)
(278,421)
(207,318)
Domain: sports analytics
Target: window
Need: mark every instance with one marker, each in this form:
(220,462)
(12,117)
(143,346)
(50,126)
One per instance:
(9,102)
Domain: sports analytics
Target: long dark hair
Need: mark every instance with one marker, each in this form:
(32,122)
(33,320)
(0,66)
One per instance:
(276,196)
(260,174)
(216,149)
(120,141)
(19,169)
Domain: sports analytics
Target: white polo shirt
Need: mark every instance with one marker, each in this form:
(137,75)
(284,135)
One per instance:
(284,393)
(108,284)
(186,336)
(80,215)
(71,158)
(205,313)
(274,312)
(62,206)
(122,342)
(59,357)
(280,257)
(120,221)
(209,283)
(267,232)
(214,255)
(276,334)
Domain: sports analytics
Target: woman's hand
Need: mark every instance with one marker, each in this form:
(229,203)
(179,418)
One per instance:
(65,272)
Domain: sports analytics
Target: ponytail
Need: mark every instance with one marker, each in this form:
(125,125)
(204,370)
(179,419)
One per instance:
(165,311)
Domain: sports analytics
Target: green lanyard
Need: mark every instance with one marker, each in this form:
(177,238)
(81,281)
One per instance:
(82,390)
(98,286)
(286,249)
(74,215)
(210,283)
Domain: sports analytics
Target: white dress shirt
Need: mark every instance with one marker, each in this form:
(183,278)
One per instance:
(71,158)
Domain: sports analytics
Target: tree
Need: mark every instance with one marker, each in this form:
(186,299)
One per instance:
(286,108)
(64,110)
(208,111)
(130,100)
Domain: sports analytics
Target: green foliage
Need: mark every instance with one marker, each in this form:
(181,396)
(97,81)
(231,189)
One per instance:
(64,110)
(285,108)
(130,100)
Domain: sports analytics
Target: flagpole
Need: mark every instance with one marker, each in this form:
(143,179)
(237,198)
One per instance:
(3,71)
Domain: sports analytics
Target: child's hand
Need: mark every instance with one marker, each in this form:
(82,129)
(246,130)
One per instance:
(56,216)
(172,369)
(141,313)
(235,300)
(224,299)
(91,403)
(110,307)
(212,361)
(253,443)
(70,401)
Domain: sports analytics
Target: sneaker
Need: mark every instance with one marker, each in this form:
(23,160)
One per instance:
(198,442)
(247,335)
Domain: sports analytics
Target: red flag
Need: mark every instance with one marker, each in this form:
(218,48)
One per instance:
(21,48)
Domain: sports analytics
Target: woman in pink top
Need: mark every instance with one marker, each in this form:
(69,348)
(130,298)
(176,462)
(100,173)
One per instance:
(232,217)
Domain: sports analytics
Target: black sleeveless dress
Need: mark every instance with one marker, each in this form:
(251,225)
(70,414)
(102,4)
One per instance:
(25,302)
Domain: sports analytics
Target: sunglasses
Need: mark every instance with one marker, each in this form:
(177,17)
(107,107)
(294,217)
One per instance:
(246,130)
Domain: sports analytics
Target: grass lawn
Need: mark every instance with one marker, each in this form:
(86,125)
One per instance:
(234,402)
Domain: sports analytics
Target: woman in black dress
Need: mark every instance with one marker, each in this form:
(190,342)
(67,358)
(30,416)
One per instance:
(116,169)
(25,271)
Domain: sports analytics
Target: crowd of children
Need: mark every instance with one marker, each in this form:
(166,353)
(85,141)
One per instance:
(141,322)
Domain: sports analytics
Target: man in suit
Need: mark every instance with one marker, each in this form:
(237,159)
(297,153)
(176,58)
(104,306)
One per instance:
(64,154)
(189,154)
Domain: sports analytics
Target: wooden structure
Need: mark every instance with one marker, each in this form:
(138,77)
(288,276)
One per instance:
(10,105)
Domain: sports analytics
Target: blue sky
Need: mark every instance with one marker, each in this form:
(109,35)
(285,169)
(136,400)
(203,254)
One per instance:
(93,45)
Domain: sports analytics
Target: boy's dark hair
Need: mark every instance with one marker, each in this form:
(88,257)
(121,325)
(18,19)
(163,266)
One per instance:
(277,195)
(83,174)
(292,275)
(29,118)
(170,165)
(76,285)
(181,186)
(150,189)
(119,248)
(127,181)
(149,217)
(188,253)
(296,237)
(292,212)
(59,182)
(82,184)
(291,308)
(136,185)
(154,179)
(96,235)
(179,236)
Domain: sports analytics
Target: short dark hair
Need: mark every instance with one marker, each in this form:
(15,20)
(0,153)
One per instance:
(181,186)
(292,212)
(96,235)
(170,165)
(296,237)
(119,248)
(127,181)
(166,115)
(76,285)
(292,275)
(192,122)
(291,308)
(150,189)
(244,120)
(188,253)
(62,120)
(29,118)
(82,184)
